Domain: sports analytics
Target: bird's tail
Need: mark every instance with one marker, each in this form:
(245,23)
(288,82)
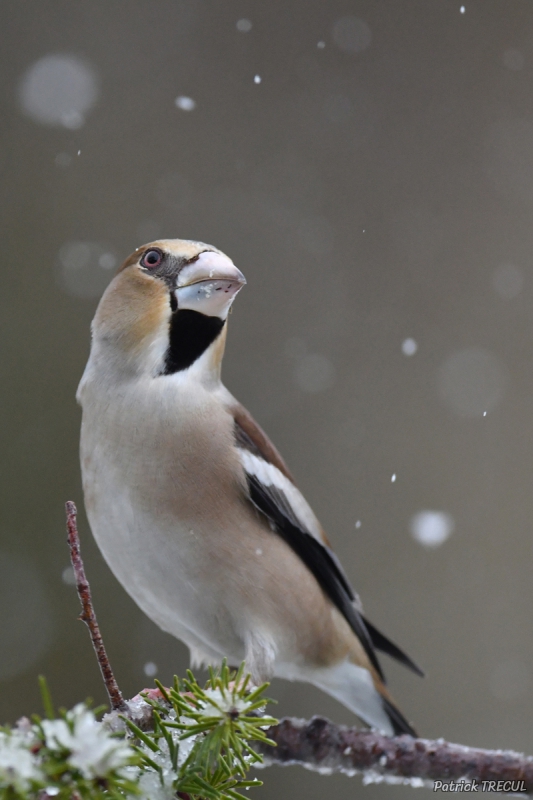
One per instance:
(397,719)
(361,690)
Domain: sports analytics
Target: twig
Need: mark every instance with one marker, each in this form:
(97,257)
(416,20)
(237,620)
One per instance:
(87,615)
(321,745)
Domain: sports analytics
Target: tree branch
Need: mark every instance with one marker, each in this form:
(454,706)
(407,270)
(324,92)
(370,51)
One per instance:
(87,615)
(321,745)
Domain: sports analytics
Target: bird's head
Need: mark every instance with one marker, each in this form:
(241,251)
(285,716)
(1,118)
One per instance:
(167,308)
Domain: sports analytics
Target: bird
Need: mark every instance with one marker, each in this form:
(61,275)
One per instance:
(192,506)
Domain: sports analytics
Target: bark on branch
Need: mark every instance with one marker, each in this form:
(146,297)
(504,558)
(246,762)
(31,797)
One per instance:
(87,615)
(321,745)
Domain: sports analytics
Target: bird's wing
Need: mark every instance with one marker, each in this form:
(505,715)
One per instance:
(273,492)
(252,437)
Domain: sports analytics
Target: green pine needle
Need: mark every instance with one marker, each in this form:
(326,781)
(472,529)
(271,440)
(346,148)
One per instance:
(46,697)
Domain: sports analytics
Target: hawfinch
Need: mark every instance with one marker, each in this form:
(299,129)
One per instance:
(192,506)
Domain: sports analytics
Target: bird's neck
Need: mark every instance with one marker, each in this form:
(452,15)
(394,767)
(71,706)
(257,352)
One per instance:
(196,349)
(191,334)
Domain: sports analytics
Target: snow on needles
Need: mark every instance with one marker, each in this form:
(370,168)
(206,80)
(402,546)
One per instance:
(84,744)
(92,750)
(18,766)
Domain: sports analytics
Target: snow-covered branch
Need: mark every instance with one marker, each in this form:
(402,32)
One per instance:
(321,745)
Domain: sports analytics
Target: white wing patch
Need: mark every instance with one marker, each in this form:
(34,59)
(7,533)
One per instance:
(269,475)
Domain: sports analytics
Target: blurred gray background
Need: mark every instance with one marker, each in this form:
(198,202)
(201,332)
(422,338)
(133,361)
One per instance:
(369,167)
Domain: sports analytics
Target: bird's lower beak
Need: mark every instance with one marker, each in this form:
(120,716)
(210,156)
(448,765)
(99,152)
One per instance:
(209,285)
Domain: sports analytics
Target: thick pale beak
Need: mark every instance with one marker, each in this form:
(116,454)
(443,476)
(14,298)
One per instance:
(209,285)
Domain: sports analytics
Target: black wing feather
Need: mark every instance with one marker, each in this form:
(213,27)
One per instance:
(384,644)
(316,556)
(326,568)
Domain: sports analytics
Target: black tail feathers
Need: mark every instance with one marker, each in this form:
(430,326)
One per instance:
(381,642)
(398,721)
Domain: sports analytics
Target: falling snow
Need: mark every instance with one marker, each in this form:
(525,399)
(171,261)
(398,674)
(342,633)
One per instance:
(68,577)
(59,90)
(185,103)
(431,528)
(244,25)
(409,347)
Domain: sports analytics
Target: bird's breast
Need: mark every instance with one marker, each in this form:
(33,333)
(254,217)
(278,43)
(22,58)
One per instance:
(169,445)
(159,473)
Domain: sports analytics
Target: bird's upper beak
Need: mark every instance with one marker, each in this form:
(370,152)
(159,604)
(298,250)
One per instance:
(209,285)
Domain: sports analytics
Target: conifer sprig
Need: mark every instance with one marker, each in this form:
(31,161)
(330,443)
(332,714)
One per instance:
(207,732)
(200,745)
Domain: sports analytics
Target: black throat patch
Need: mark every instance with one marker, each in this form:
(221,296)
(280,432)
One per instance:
(190,335)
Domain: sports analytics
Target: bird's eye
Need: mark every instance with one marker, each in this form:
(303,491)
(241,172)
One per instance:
(152,259)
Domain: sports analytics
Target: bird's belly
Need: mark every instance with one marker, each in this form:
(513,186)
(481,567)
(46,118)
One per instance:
(156,523)
(163,564)
(180,536)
